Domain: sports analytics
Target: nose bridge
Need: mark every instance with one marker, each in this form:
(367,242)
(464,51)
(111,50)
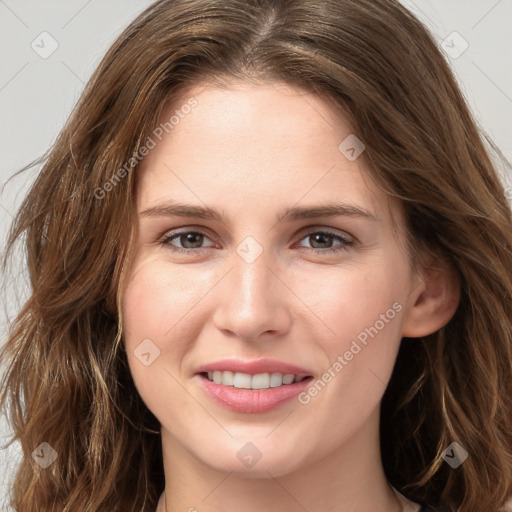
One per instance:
(252,280)
(253,299)
(251,275)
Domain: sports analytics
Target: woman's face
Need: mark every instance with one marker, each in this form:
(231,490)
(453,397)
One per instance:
(292,266)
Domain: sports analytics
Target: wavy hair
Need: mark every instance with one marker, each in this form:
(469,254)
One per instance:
(67,380)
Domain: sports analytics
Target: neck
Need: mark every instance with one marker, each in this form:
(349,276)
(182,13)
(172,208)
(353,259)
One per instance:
(349,479)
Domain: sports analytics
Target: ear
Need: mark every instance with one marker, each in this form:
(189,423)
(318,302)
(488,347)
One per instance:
(434,299)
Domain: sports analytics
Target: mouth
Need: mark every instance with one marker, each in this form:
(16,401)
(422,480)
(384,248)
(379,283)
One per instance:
(252,391)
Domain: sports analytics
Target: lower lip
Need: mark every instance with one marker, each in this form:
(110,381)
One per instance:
(252,400)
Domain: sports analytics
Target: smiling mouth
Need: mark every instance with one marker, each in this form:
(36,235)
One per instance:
(257,381)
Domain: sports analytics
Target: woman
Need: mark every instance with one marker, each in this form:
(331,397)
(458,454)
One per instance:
(179,352)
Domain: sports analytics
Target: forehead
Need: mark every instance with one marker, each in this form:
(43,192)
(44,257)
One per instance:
(274,142)
(239,112)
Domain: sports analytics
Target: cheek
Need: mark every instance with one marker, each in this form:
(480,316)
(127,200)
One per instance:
(157,300)
(349,301)
(154,309)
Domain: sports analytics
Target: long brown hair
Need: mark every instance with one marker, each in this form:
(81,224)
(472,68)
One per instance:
(67,382)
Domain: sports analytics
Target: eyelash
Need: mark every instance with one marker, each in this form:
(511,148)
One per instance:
(345,242)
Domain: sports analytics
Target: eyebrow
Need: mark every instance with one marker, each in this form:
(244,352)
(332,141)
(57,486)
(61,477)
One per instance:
(174,208)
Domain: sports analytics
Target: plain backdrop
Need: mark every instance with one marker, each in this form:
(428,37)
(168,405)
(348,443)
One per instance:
(38,91)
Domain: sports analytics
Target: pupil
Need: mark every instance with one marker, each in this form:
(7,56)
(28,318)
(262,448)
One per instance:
(320,236)
(189,237)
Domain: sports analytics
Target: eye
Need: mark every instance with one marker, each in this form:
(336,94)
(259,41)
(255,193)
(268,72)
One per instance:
(323,238)
(190,241)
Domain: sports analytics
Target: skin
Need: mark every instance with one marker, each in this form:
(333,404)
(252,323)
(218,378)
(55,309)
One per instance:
(249,152)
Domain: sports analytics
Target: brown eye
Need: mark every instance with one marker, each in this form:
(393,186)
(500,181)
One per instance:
(188,241)
(322,241)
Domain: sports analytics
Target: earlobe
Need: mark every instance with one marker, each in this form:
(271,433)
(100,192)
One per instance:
(434,301)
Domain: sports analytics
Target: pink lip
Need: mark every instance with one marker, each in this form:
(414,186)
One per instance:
(253,400)
(254,367)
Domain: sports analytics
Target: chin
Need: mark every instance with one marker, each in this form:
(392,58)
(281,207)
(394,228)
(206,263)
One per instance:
(259,458)
(275,467)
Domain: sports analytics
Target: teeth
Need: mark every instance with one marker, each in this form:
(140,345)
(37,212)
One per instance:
(276,380)
(260,381)
(247,381)
(242,380)
(228,378)
(288,379)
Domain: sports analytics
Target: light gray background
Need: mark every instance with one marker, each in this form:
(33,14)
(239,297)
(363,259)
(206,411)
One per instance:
(37,95)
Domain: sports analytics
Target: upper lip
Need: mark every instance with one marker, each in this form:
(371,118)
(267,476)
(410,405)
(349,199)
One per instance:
(254,367)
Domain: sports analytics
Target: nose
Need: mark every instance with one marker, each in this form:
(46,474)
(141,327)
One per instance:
(254,303)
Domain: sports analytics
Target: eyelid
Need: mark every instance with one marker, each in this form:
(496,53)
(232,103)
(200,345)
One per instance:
(326,229)
(175,233)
